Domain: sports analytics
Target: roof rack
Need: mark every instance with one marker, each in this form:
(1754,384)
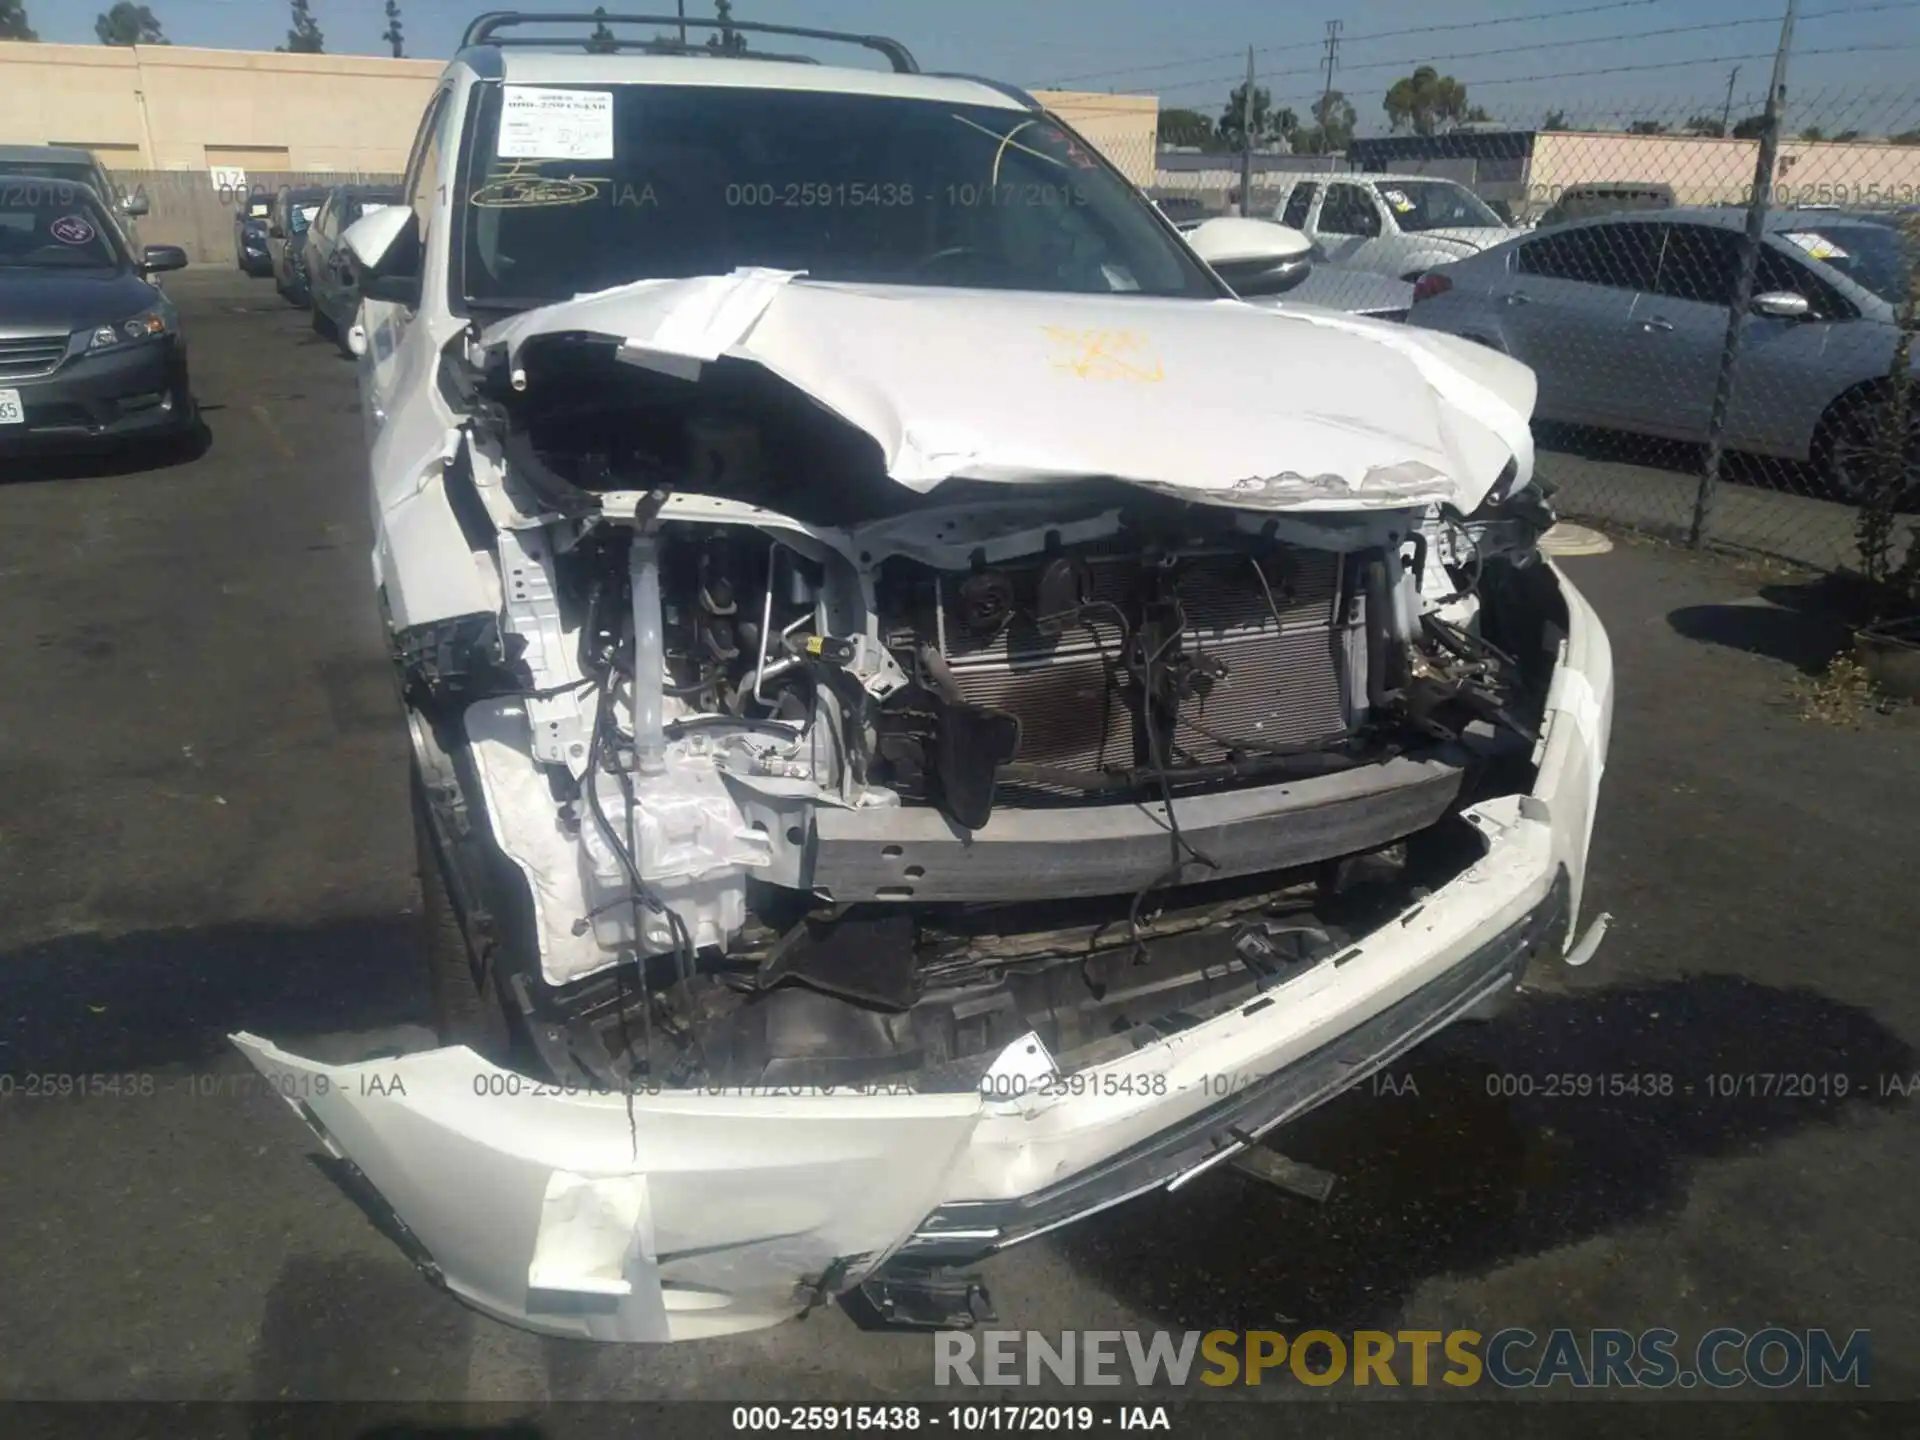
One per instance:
(485,30)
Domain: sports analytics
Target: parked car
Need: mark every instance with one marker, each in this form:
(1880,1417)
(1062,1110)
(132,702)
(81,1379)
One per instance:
(91,353)
(293,211)
(1624,319)
(82,167)
(1270,264)
(1584,202)
(1398,225)
(904,641)
(333,296)
(1185,210)
(250,251)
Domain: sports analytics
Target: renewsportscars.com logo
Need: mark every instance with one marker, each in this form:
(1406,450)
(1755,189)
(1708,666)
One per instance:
(1723,1358)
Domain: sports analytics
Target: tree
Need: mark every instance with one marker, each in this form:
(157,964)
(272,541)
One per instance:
(13,21)
(601,41)
(128,24)
(1751,128)
(1846,135)
(304,38)
(1647,127)
(1813,134)
(1555,120)
(729,41)
(1704,125)
(1233,126)
(1905,137)
(1185,127)
(1423,99)
(392,33)
(1333,124)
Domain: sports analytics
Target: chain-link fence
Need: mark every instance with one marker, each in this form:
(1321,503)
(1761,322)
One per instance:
(1722,345)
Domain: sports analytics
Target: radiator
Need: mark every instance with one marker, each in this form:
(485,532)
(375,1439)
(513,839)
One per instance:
(1286,680)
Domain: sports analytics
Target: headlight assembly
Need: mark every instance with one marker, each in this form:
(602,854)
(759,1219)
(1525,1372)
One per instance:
(145,326)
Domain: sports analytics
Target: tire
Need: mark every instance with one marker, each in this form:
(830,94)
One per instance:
(322,326)
(1845,441)
(467,1006)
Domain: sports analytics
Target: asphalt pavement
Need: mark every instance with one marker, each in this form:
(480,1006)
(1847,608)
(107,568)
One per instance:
(204,826)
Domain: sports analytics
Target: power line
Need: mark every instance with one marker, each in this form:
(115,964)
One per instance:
(1612,39)
(1595,40)
(1357,39)
(1681,64)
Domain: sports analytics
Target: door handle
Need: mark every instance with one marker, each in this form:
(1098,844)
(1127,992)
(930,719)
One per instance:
(1655,325)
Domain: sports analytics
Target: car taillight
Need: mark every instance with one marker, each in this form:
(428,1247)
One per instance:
(1429,285)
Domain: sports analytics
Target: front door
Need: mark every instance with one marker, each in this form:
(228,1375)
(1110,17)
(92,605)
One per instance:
(1347,225)
(1566,308)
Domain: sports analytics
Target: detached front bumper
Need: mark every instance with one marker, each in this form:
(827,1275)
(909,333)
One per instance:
(681,1214)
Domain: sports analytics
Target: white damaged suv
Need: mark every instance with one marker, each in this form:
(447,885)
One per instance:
(930,717)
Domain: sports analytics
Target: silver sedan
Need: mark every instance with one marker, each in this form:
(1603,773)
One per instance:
(1624,318)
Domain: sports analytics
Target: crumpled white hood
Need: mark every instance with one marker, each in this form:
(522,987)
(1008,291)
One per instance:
(1218,400)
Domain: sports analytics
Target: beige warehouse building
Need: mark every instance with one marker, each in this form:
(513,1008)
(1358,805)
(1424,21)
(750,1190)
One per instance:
(169,107)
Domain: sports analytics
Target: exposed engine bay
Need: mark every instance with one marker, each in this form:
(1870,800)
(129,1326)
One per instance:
(808,778)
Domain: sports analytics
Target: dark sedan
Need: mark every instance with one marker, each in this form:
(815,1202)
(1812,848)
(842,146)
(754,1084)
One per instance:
(293,211)
(91,353)
(250,251)
(329,268)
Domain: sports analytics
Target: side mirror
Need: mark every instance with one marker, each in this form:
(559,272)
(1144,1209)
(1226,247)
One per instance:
(1255,257)
(276,231)
(156,258)
(1782,305)
(357,339)
(385,246)
(379,240)
(135,204)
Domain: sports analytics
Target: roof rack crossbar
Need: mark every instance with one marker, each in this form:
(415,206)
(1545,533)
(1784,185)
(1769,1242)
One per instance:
(485,30)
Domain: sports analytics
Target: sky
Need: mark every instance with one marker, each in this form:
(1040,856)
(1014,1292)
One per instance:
(1857,62)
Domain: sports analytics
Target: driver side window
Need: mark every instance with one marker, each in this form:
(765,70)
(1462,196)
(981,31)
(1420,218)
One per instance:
(425,176)
(1348,210)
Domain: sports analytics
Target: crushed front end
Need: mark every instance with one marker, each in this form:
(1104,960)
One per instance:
(871,875)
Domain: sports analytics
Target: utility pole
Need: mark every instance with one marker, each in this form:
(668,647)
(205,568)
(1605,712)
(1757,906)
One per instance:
(1326,95)
(683,24)
(1726,111)
(1743,283)
(1246,140)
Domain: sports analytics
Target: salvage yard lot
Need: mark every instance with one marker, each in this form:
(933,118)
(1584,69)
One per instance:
(204,827)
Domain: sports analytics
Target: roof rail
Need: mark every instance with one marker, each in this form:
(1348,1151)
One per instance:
(485,30)
(1012,92)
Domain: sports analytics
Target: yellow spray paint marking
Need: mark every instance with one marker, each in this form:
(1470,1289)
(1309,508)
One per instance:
(1105,355)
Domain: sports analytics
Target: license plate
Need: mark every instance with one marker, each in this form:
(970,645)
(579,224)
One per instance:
(11,410)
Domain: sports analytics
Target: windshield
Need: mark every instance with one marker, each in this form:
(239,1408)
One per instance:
(50,225)
(664,182)
(1436,205)
(1869,255)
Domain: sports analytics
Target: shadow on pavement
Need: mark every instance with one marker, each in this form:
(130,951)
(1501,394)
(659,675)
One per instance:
(89,1004)
(129,459)
(1806,638)
(1467,1158)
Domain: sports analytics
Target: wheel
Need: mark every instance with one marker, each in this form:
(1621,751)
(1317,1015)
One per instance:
(467,1006)
(1848,450)
(322,326)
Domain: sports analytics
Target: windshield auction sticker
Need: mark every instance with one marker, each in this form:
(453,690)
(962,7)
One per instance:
(72,230)
(542,124)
